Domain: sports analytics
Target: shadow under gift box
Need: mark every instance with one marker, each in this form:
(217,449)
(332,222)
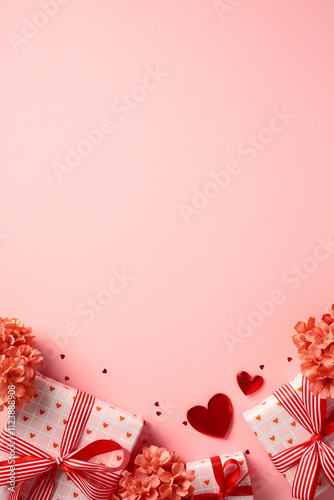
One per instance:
(277,430)
(42,423)
(205,482)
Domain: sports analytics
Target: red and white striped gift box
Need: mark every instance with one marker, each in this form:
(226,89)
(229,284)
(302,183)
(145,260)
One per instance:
(278,431)
(205,482)
(42,423)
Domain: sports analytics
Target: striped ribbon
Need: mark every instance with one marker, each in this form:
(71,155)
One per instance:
(228,481)
(96,481)
(312,455)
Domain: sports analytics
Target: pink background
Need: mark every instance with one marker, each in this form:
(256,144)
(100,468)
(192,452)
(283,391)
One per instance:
(162,336)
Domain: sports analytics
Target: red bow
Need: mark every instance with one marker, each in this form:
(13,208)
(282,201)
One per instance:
(228,482)
(97,482)
(312,455)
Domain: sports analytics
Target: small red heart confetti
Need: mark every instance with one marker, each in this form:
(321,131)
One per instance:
(156,403)
(261,367)
(104,371)
(247,452)
(289,359)
(158,413)
(62,356)
(25,418)
(185,422)
(42,412)
(67,378)
(249,384)
(215,420)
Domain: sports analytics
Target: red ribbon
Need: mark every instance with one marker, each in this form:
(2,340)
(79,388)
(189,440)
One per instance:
(228,481)
(313,455)
(96,481)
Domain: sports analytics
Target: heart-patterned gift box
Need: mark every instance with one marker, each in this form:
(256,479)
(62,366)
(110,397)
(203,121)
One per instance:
(207,472)
(42,423)
(278,431)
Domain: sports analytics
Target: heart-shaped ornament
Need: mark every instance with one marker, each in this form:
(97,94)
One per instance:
(215,420)
(249,384)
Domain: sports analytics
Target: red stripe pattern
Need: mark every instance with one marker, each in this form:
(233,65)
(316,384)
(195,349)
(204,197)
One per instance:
(312,455)
(97,482)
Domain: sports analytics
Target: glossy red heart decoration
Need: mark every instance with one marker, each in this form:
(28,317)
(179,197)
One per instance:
(215,420)
(249,384)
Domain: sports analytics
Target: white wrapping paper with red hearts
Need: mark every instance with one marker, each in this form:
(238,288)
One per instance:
(42,423)
(277,430)
(205,481)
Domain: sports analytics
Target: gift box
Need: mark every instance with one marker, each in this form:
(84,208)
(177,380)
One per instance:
(58,421)
(227,475)
(291,424)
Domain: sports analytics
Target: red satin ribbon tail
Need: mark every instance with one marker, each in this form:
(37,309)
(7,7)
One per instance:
(242,491)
